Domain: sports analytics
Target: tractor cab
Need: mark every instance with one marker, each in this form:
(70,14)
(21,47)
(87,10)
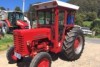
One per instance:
(14,16)
(57,16)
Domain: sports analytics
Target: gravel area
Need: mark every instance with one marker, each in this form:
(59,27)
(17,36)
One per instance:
(89,58)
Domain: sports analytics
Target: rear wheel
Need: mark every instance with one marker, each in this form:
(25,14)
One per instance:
(1,33)
(42,59)
(5,28)
(73,45)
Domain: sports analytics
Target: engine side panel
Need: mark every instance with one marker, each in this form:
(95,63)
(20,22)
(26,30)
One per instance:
(22,38)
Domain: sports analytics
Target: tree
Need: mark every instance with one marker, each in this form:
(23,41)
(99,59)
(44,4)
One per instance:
(91,16)
(2,8)
(79,19)
(87,5)
(98,14)
(18,9)
(95,26)
(31,13)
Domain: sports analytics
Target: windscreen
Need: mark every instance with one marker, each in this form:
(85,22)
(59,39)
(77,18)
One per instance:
(46,17)
(15,15)
(19,16)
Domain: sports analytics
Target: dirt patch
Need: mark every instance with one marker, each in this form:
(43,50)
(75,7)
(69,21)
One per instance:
(89,58)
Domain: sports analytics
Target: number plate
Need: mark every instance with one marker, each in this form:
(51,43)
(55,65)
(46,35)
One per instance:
(17,55)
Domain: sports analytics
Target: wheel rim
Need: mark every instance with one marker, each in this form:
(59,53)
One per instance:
(4,29)
(13,57)
(44,63)
(78,44)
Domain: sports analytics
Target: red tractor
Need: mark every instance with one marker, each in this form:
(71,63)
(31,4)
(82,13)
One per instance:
(12,20)
(55,33)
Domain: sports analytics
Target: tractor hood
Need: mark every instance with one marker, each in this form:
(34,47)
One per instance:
(22,24)
(33,34)
(25,37)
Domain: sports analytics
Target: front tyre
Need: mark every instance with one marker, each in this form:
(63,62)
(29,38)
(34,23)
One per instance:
(42,59)
(10,55)
(74,44)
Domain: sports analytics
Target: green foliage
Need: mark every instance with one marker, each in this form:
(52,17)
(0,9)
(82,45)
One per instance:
(91,8)
(31,13)
(5,42)
(2,8)
(87,23)
(91,16)
(97,36)
(87,5)
(98,14)
(95,26)
(18,9)
(79,19)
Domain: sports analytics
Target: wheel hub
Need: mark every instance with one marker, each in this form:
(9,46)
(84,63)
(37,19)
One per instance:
(13,57)
(43,63)
(78,45)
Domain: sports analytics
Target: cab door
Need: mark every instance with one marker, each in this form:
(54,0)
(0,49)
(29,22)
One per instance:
(61,24)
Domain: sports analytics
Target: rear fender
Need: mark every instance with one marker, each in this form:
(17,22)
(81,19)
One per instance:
(8,22)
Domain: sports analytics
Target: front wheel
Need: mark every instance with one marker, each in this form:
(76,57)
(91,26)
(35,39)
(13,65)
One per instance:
(42,59)
(10,55)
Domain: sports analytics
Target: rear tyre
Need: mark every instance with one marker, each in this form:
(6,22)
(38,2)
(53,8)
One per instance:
(10,55)
(5,28)
(42,59)
(73,45)
(1,33)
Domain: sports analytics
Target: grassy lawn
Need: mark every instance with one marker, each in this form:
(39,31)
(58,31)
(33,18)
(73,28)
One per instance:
(6,41)
(97,36)
(90,36)
(87,23)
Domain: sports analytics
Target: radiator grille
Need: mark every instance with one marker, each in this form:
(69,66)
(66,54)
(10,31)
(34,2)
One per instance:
(19,43)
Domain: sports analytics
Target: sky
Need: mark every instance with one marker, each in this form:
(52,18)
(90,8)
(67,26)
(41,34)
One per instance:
(11,4)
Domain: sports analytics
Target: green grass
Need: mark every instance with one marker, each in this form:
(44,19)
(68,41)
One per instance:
(6,41)
(87,23)
(97,36)
(90,36)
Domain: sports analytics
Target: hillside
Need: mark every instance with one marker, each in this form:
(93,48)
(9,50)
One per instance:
(87,5)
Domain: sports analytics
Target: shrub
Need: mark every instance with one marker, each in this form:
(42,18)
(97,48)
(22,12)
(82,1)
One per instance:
(95,26)
(91,16)
(79,19)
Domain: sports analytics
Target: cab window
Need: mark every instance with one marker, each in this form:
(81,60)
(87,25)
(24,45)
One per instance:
(70,19)
(46,18)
